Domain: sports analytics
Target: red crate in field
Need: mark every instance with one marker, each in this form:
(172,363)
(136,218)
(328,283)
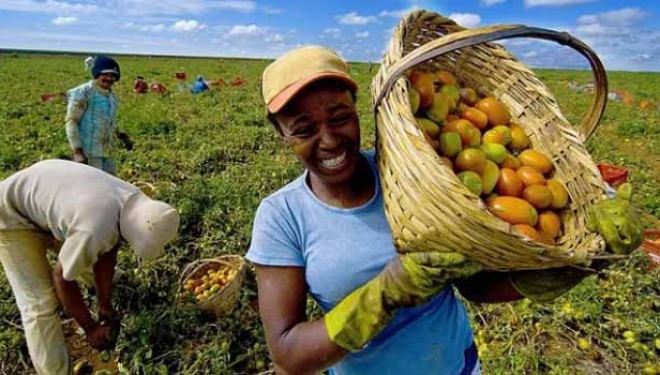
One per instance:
(651,246)
(180,75)
(613,174)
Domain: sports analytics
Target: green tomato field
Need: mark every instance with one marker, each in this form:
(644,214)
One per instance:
(214,156)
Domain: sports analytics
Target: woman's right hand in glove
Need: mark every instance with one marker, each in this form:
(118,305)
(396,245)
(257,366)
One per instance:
(408,280)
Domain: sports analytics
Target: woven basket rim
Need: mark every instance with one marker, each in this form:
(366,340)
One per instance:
(227,296)
(540,255)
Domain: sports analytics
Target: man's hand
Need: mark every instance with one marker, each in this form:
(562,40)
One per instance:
(79,156)
(97,336)
(112,321)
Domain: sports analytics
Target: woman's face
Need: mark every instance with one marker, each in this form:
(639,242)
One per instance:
(322,127)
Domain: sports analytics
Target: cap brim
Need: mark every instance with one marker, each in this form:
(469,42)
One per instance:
(281,99)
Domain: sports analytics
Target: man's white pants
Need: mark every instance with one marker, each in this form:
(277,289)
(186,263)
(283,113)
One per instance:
(23,257)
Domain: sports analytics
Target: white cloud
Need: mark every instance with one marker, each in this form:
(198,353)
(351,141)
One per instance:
(331,31)
(187,25)
(250,30)
(275,38)
(600,29)
(491,2)
(150,28)
(239,6)
(362,35)
(48,6)
(355,19)
(558,3)
(616,23)
(621,17)
(397,13)
(177,7)
(269,10)
(530,54)
(64,21)
(466,19)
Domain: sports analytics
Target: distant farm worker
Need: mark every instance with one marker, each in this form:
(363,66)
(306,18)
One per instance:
(84,215)
(91,117)
(140,86)
(325,235)
(158,88)
(199,86)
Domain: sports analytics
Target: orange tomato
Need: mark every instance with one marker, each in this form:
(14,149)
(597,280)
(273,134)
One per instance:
(494,136)
(470,159)
(519,140)
(446,78)
(538,195)
(530,176)
(549,224)
(510,162)
(509,183)
(469,96)
(496,111)
(559,193)
(476,117)
(527,231)
(451,125)
(467,131)
(425,86)
(536,160)
(513,210)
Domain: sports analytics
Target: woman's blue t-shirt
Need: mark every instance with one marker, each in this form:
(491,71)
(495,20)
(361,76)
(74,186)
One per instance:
(342,249)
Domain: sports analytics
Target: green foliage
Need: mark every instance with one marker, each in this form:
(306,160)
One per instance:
(215,156)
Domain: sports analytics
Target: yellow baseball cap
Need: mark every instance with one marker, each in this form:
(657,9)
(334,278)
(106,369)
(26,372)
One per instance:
(295,70)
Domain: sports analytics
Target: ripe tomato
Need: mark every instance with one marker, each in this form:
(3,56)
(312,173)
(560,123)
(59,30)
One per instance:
(513,210)
(509,183)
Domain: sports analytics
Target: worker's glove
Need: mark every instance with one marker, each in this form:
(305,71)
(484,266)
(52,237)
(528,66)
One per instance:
(113,323)
(548,284)
(125,140)
(618,221)
(408,280)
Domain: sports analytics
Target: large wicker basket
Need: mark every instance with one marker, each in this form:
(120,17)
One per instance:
(426,205)
(223,301)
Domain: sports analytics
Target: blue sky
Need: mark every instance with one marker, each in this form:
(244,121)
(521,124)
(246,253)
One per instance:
(622,32)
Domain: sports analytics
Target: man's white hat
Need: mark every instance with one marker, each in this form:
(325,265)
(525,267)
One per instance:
(148,225)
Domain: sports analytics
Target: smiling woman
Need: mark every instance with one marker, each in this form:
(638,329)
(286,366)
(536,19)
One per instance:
(325,234)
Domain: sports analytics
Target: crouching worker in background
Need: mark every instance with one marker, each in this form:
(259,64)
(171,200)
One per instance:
(86,213)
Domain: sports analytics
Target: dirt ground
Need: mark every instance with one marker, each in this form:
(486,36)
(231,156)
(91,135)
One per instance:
(79,350)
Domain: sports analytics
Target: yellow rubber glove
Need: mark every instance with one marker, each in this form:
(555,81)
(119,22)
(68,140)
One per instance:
(408,280)
(546,285)
(617,221)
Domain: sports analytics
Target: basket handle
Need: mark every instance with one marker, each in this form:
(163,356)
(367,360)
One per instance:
(470,37)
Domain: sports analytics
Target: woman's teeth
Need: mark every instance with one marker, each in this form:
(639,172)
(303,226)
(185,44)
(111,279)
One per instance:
(334,162)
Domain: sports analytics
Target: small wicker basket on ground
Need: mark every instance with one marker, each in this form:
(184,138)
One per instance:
(426,205)
(225,299)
